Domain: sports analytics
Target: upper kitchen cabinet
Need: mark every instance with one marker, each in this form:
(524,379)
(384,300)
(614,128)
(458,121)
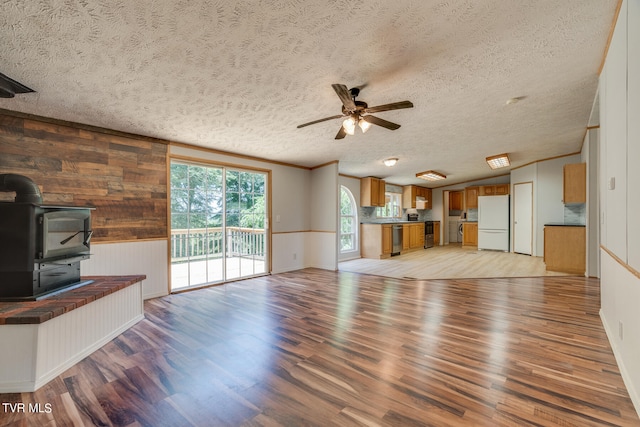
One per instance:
(471,197)
(372,191)
(494,190)
(455,201)
(410,193)
(574,183)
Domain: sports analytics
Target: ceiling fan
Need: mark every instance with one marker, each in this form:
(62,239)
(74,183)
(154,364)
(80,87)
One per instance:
(355,111)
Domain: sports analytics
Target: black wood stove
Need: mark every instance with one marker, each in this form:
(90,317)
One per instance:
(41,246)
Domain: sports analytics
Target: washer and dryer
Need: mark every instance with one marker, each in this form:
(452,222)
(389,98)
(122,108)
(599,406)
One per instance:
(455,229)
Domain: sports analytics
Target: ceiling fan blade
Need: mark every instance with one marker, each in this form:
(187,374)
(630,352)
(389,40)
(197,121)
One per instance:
(341,133)
(381,122)
(345,97)
(320,120)
(386,107)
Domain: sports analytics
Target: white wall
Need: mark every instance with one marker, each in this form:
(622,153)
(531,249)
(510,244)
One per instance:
(619,94)
(321,249)
(589,155)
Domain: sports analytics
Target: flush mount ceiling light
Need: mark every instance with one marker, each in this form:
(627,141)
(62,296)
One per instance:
(431,175)
(390,161)
(9,87)
(498,161)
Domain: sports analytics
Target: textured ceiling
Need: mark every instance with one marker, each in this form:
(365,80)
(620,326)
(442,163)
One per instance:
(238,75)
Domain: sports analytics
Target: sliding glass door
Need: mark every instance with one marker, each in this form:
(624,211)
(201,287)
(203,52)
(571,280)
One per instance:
(218,224)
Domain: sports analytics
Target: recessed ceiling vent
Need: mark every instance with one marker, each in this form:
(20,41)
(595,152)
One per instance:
(9,87)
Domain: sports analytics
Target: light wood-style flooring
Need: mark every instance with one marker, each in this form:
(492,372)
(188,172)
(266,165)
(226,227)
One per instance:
(452,261)
(323,348)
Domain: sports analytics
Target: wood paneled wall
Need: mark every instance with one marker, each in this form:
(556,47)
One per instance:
(124,177)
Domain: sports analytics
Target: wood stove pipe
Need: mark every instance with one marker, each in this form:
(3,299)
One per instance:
(26,190)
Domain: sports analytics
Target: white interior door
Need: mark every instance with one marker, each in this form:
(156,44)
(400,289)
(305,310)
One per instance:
(523,218)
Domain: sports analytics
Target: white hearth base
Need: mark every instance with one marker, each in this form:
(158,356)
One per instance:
(31,355)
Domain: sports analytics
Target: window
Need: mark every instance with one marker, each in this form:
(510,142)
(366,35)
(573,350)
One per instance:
(392,206)
(348,221)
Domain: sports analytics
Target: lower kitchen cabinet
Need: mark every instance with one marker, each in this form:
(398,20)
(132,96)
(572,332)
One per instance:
(412,236)
(436,233)
(406,237)
(565,248)
(376,240)
(469,234)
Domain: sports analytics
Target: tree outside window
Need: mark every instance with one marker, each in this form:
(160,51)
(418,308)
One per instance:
(392,206)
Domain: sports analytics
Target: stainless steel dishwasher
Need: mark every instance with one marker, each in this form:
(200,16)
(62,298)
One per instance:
(396,239)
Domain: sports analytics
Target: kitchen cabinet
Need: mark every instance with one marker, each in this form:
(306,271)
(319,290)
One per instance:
(372,191)
(413,236)
(387,239)
(376,240)
(471,197)
(493,190)
(574,183)
(455,201)
(469,234)
(406,237)
(565,248)
(417,236)
(409,194)
(436,233)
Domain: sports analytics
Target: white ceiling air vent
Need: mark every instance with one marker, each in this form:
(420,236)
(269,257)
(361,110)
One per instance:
(9,87)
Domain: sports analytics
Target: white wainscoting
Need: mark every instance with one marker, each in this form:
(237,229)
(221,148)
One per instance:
(620,291)
(294,251)
(321,250)
(37,353)
(288,251)
(121,259)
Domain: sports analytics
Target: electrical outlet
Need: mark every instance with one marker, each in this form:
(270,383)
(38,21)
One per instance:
(295,256)
(620,331)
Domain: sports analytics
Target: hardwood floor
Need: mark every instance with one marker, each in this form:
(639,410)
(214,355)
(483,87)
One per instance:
(323,348)
(451,262)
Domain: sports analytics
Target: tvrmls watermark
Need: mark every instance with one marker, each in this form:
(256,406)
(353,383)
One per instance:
(27,408)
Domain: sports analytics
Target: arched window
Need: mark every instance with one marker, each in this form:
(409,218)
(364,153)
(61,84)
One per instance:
(348,221)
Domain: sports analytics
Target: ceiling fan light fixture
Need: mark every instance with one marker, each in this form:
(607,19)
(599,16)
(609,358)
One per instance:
(349,126)
(431,175)
(391,161)
(364,125)
(498,161)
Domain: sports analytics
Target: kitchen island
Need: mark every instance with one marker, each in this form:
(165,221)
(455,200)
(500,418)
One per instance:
(376,239)
(565,248)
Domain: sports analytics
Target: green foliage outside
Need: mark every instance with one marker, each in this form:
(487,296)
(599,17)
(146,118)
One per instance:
(198,201)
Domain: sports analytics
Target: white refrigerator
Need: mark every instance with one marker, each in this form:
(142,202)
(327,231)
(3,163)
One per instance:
(493,223)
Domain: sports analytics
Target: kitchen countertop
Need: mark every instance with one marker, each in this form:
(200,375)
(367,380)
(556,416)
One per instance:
(393,222)
(557,224)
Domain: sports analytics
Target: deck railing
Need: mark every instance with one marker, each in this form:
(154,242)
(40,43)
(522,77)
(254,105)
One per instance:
(201,243)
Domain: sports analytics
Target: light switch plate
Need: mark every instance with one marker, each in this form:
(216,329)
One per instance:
(612,183)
